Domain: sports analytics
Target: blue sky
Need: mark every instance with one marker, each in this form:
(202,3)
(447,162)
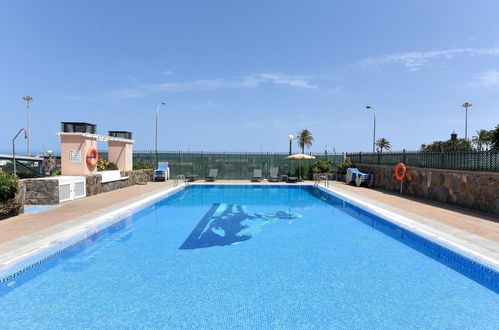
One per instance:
(242,75)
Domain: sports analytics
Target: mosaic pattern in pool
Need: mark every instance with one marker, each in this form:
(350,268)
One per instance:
(308,260)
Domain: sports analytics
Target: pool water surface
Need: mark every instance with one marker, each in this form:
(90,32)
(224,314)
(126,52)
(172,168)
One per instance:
(246,257)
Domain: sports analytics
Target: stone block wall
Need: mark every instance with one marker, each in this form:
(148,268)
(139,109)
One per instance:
(473,190)
(94,185)
(46,191)
(40,191)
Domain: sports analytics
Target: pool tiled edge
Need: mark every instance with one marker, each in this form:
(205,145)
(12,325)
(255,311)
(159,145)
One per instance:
(29,251)
(468,249)
(23,253)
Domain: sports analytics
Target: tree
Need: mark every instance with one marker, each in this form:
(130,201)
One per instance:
(449,145)
(494,138)
(305,139)
(383,144)
(482,139)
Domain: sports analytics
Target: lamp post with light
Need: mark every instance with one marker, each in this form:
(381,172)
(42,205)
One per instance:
(28,99)
(290,138)
(374,126)
(156,138)
(466,105)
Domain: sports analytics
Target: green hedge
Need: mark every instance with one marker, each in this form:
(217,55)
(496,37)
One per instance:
(9,184)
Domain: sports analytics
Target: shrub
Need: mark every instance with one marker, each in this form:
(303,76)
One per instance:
(8,186)
(105,165)
(321,166)
(304,170)
(10,208)
(342,167)
(143,166)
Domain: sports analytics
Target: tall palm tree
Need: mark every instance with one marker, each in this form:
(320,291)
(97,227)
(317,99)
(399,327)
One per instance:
(482,139)
(305,139)
(383,144)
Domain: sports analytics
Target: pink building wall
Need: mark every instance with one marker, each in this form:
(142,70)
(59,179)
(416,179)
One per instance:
(74,150)
(120,153)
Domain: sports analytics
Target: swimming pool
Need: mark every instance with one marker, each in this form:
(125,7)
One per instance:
(253,257)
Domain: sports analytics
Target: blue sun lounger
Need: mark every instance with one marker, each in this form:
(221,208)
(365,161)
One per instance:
(354,175)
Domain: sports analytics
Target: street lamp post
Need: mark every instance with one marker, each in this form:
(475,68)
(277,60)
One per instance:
(156,138)
(466,105)
(290,138)
(28,99)
(374,126)
(14,147)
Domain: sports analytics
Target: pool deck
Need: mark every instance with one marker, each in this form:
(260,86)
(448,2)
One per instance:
(475,231)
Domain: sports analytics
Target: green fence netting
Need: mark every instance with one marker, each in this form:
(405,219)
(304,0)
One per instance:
(487,161)
(230,165)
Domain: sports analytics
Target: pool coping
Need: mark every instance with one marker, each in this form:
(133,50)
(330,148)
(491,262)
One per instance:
(477,248)
(24,252)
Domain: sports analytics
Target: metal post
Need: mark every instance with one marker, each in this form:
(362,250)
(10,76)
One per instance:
(14,147)
(374,127)
(466,105)
(156,138)
(28,99)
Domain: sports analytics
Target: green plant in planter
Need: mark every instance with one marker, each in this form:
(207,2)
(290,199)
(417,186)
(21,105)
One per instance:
(8,186)
(105,165)
(304,170)
(321,166)
(143,166)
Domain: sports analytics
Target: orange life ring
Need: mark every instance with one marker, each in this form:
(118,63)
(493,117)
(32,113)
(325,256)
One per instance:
(400,176)
(92,157)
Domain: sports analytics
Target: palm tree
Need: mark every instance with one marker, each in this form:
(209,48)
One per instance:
(383,144)
(482,139)
(305,139)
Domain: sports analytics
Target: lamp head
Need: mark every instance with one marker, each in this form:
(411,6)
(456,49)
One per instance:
(28,98)
(290,137)
(368,107)
(466,105)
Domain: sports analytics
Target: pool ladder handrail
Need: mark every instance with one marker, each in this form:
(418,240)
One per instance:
(322,177)
(180,177)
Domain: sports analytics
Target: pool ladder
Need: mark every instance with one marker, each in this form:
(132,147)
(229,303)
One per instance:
(179,178)
(322,177)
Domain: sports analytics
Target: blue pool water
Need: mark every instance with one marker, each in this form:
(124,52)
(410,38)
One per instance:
(250,257)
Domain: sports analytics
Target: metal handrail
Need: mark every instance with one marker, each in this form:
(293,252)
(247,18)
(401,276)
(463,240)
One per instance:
(178,178)
(322,177)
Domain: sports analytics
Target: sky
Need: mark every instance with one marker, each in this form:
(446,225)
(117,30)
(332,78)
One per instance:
(243,75)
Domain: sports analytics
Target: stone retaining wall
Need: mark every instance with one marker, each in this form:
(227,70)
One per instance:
(474,190)
(46,191)
(40,191)
(94,185)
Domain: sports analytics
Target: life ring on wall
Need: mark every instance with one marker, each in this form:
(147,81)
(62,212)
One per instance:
(398,175)
(92,157)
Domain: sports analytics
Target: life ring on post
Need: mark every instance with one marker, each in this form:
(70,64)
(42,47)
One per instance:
(400,171)
(92,157)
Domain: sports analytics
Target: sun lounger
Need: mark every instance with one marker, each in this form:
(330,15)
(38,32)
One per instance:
(162,173)
(292,179)
(274,174)
(257,175)
(354,175)
(212,175)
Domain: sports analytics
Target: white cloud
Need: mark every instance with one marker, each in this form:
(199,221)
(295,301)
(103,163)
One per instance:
(414,61)
(168,72)
(487,78)
(250,81)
